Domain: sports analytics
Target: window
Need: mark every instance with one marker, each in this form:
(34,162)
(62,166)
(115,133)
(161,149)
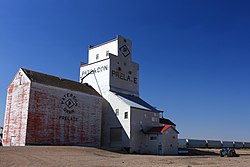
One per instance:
(117,112)
(20,77)
(153,137)
(97,56)
(126,115)
(107,53)
(154,119)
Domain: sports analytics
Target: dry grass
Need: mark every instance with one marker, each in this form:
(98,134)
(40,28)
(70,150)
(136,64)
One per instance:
(55,156)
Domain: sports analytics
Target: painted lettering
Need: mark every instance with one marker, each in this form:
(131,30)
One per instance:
(67,118)
(95,70)
(135,80)
(123,76)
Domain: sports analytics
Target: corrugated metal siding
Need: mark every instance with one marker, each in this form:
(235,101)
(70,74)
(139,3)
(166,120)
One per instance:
(246,144)
(182,143)
(238,144)
(192,143)
(228,144)
(214,144)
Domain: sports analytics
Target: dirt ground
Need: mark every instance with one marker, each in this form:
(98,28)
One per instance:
(54,156)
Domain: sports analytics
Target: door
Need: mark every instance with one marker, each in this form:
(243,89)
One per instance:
(13,141)
(115,137)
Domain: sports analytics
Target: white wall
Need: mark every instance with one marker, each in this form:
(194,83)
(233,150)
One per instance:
(141,120)
(114,71)
(111,120)
(102,50)
(124,76)
(52,121)
(117,103)
(170,142)
(99,79)
(16,113)
(166,143)
(120,46)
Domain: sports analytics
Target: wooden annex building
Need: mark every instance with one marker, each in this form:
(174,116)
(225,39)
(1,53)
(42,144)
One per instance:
(47,110)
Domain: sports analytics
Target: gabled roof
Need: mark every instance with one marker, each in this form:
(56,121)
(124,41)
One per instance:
(46,79)
(136,102)
(166,121)
(160,129)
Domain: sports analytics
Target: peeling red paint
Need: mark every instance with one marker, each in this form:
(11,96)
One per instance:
(45,127)
(35,114)
(11,87)
(16,107)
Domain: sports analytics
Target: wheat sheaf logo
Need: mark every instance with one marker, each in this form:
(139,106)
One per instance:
(70,102)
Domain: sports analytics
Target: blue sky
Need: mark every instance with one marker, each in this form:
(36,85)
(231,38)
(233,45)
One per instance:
(194,55)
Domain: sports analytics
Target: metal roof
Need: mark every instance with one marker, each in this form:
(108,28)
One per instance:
(46,79)
(136,102)
(161,129)
(166,121)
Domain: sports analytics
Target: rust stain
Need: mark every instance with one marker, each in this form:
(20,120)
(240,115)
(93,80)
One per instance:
(7,120)
(43,123)
(23,94)
(11,87)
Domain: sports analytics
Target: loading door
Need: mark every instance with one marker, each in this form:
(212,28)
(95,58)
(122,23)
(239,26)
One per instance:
(115,137)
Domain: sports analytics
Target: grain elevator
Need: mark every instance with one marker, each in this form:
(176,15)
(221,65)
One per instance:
(128,121)
(103,109)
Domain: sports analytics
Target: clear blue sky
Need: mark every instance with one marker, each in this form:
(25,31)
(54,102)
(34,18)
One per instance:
(194,55)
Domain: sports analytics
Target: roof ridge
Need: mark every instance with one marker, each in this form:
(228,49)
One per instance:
(51,80)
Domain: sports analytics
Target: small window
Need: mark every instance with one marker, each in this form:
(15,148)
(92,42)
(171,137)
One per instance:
(117,112)
(97,56)
(107,53)
(126,115)
(154,119)
(130,72)
(153,137)
(119,68)
(20,77)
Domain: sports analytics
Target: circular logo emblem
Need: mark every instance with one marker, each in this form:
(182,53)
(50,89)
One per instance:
(69,101)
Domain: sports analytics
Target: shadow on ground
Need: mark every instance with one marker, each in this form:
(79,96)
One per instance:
(115,150)
(199,152)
